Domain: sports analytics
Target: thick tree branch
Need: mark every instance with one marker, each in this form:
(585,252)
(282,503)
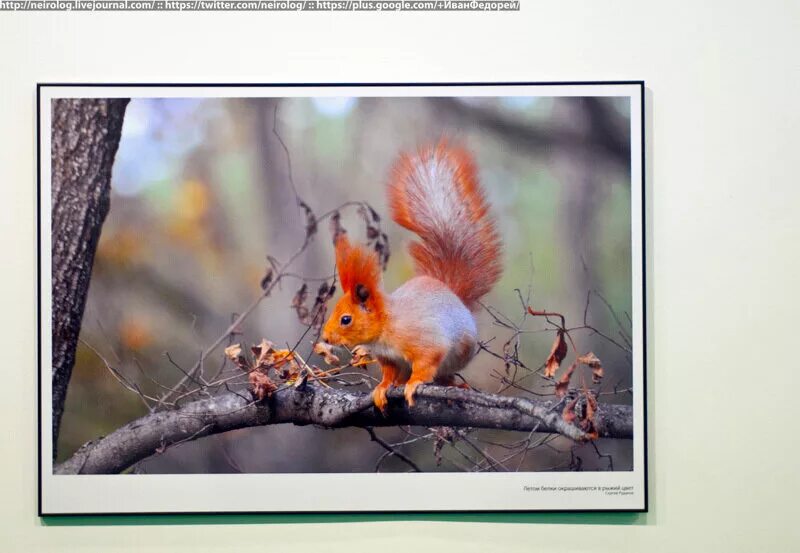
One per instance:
(331,408)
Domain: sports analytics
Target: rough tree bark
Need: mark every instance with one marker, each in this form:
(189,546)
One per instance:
(331,408)
(85,137)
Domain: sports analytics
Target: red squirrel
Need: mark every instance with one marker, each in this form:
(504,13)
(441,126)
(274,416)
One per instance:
(425,330)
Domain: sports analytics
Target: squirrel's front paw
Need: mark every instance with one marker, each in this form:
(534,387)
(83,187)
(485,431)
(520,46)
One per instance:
(379,398)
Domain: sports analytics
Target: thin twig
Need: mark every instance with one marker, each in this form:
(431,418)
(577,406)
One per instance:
(390,450)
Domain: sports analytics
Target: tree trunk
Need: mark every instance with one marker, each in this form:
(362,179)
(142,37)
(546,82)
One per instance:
(85,137)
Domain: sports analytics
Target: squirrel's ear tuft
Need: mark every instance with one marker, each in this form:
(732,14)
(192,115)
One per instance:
(358,267)
(362,293)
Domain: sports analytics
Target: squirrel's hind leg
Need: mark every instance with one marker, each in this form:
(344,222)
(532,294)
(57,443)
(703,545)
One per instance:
(391,374)
(423,370)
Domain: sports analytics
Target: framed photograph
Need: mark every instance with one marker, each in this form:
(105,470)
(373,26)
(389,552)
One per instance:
(341,298)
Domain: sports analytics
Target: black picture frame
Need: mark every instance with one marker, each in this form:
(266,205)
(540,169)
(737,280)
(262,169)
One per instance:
(641,354)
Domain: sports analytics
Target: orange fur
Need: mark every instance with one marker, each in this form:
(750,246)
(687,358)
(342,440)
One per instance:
(357,267)
(390,376)
(459,242)
(424,331)
(423,369)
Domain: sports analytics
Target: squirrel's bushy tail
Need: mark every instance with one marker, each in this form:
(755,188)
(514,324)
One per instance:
(435,193)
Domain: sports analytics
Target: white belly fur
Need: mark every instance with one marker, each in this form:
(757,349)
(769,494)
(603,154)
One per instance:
(441,320)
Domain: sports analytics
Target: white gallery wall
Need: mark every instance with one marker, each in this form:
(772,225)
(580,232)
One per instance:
(723,90)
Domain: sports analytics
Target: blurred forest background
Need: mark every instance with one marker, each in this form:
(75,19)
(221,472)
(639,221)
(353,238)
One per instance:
(201,196)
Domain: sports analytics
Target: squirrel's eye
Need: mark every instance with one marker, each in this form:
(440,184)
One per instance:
(346,320)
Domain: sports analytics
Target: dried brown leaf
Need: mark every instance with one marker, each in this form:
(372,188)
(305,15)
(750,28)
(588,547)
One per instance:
(568,414)
(290,371)
(280,357)
(591,360)
(267,279)
(361,357)
(261,385)
(375,216)
(262,353)
(233,351)
(326,351)
(324,293)
(557,354)
(588,423)
(442,435)
(311,220)
(300,296)
(382,248)
(315,316)
(563,383)
(298,303)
